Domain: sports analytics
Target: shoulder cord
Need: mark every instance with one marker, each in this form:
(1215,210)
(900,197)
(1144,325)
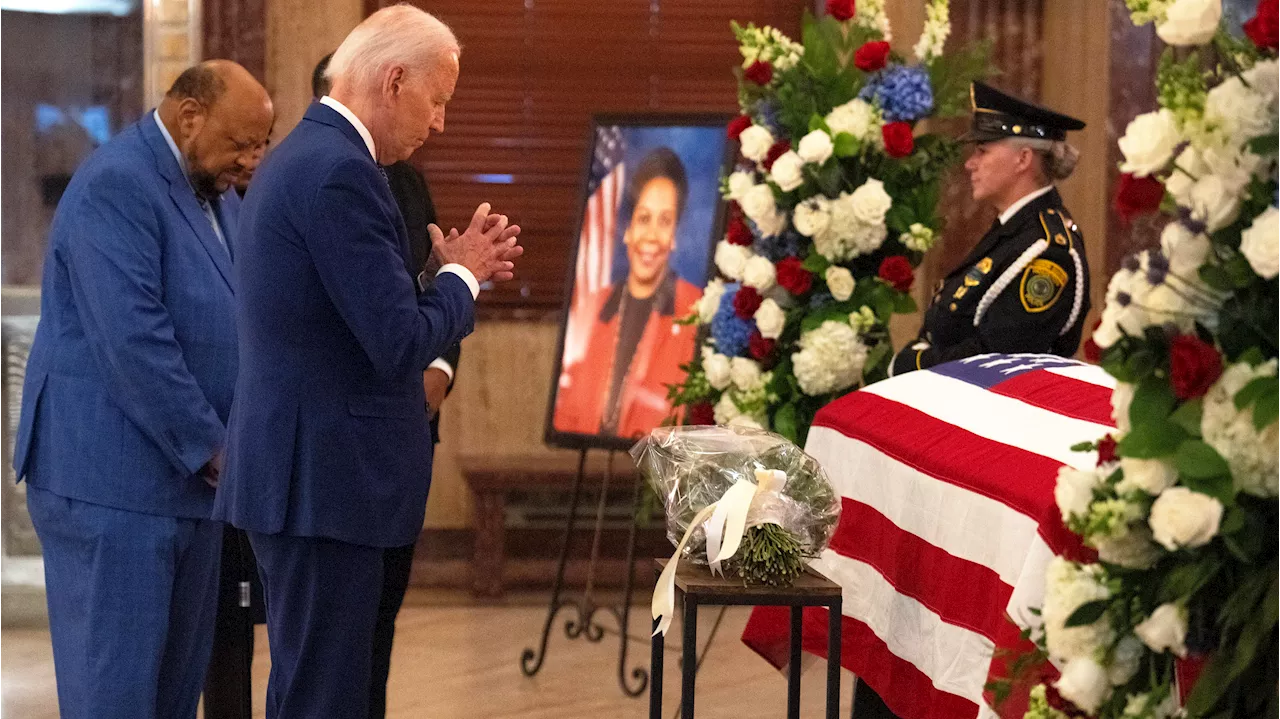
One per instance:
(1032,252)
(1078,303)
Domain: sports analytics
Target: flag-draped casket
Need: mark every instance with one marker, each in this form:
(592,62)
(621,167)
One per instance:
(946,477)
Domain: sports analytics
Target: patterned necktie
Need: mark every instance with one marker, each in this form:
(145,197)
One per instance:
(383,171)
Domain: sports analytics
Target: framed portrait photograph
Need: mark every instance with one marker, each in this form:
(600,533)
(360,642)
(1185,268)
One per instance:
(651,215)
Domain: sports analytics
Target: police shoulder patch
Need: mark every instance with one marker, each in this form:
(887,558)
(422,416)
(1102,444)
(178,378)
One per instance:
(1042,284)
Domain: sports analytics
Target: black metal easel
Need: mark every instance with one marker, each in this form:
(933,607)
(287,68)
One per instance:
(583,622)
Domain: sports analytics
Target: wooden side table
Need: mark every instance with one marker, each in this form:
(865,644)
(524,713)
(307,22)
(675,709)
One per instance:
(697,585)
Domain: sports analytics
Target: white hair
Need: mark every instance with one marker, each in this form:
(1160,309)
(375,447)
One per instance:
(397,35)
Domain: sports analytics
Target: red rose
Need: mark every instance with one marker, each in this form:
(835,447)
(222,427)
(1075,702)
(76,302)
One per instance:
(737,125)
(871,56)
(793,277)
(1092,352)
(840,9)
(896,270)
(1137,196)
(738,233)
(779,149)
(1106,450)
(700,413)
(1062,704)
(898,141)
(760,72)
(761,348)
(746,302)
(1262,28)
(732,210)
(1194,365)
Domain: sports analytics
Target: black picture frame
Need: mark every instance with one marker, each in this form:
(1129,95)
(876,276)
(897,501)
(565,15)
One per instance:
(580,441)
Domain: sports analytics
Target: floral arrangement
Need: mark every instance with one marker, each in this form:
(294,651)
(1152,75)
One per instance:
(1182,506)
(832,205)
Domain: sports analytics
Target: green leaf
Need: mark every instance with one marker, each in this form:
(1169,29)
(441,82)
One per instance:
(1265,145)
(878,353)
(844,145)
(816,263)
(1253,357)
(1184,580)
(1198,460)
(1088,613)
(1266,410)
(1084,446)
(1151,440)
(1153,401)
(817,123)
(784,421)
(904,304)
(1219,487)
(1215,277)
(1239,272)
(1188,416)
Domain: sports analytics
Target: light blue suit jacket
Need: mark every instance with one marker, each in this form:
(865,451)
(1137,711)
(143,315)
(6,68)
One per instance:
(129,383)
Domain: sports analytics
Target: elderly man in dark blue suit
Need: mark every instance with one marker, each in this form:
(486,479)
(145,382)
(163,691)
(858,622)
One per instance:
(329,457)
(128,389)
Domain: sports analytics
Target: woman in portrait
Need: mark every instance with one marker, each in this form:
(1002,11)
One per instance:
(635,346)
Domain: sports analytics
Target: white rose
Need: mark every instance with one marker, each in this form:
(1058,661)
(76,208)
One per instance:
(1190,22)
(870,202)
(725,410)
(717,368)
(1074,491)
(759,273)
(770,319)
(1214,203)
(1259,244)
(758,203)
(1186,252)
(745,374)
(1124,660)
(709,303)
(739,183)
(1242,113)
(1121,398)
(815,147)
(812,217)
(1165,629)
(1183,518)
(840,282)
(731,259)
(1152,476)
(755,142)
(788,171)
(1149,142)
(1084,683)
(1134,549)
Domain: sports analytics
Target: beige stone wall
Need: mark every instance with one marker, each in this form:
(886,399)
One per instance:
(299,33)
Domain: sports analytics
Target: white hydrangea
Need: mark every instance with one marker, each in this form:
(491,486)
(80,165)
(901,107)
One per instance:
(1260,244)
(813,216)
(725,410)
(716,367)
(919,238)
(709,303)
(759,273)
(770,319)
(848,235)
(1251,455)
(937,27)
(732,259)
(1149,142)
(830,359)
(815,147)
(1069,586)
(745,374)
(1264,79)
(1134,548)
(1241,112)
(858,118)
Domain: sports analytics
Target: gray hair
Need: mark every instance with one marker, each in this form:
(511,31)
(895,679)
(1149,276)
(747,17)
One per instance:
(397,35)
(1057,158)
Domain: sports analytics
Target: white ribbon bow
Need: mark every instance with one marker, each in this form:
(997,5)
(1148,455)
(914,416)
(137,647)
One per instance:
(726,522)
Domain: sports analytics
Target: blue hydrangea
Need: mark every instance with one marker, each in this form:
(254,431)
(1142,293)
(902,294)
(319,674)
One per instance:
(730,331)
(767,111)
(902,92)
(776,248)
(820,298)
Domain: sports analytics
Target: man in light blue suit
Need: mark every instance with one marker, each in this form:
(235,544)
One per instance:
(329,452)
(128,389)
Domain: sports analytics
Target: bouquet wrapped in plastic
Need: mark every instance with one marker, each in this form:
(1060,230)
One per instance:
(743,498)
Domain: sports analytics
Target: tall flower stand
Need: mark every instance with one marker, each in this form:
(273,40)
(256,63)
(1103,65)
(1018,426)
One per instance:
(698,587)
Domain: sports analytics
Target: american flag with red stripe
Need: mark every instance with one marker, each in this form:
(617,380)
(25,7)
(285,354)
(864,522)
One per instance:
(946,477)
(594,269)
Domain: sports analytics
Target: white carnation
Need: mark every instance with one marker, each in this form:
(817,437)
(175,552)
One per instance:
(1251,455)
(755,142)
(857,118)
(739,183)
(815,147)
(1152,476)
(1084,683)
(840,282)
(788,171)
(1073,491)
(759,273)
(1182,518)
(1149,142)
(731,259)
(1240,112)
(770,319)
(1190,22)
(1260,244)
(1165,629)
(745,374)
(758,203)
(830,359)
(871,203)
(1069,586)
(716,366)
(812,217)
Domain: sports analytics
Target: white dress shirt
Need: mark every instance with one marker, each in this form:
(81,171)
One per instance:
(1021,203)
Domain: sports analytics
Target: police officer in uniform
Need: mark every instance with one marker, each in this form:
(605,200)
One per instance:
(1025,287)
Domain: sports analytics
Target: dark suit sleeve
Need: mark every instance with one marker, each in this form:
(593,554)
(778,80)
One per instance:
(353,243)
(117,282)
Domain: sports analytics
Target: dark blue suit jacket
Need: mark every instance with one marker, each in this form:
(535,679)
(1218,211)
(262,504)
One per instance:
(328,436)
(130,377)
